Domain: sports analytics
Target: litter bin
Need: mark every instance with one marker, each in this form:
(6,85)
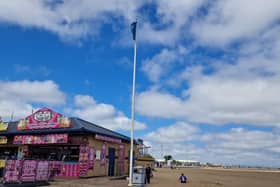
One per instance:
(138,177)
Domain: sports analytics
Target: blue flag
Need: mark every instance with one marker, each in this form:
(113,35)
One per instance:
(133,29)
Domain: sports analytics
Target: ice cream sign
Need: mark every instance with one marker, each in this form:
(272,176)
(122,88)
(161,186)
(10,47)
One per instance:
(44,119)
(43,116)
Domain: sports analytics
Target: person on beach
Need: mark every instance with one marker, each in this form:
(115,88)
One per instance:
(148,174)
(183,178)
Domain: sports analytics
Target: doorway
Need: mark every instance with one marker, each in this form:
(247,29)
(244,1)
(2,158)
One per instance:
(111,169)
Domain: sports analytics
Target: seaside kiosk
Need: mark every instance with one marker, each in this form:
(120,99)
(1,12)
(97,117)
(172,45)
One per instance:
(72,146)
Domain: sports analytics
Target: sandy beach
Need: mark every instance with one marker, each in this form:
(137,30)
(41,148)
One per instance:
(200,177)
(197,177)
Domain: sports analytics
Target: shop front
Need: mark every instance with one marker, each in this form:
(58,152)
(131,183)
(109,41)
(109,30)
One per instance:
(65,147)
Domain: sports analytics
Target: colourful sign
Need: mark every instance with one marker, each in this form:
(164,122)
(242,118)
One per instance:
(41,139)
(107,139)
(44,119)
(42,171)
(12,170)
(3,140)
(3,126)
(28,172)
(91,158)
(84,160)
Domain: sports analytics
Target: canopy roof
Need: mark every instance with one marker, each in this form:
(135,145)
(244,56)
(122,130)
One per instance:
(78,126)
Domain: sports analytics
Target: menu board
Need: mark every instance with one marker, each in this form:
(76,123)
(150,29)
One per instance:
(3,140)
(42,171)
(41,139)
(12,170)
(91,158)
(44,119)
(28,171)
(84,160)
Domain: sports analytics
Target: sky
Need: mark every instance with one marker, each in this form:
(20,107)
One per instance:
(208,72)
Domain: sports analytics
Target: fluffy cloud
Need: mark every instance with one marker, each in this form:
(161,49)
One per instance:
(80,19)
(228,21)
(18,96)
(236,146)
(66,18)
(161,63)
(172,18)
(244,91)
(102,114)
(240,146)
(178,132)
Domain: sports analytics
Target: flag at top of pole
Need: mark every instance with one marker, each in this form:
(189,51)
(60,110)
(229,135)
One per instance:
(133,29)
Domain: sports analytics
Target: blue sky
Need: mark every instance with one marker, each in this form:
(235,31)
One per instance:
(207,71)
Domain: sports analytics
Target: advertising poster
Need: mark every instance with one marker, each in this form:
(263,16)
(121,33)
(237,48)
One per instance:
(98,155)
(122,157)
(91,158)
(103,156)
(28,171)
(12,170)
(84,160)
(3,126)
(3,140)
(42,173)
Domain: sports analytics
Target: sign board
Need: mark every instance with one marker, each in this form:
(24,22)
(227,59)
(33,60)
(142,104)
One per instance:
(44,119)
(41,139)
(107,139)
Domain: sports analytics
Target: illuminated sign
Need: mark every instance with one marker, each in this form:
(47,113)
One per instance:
(44,119)
(107,139)
(41,139)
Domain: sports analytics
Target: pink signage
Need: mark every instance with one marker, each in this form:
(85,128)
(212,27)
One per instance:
(28,172)
(12,170)
(107,139)
(41,139)
(84,160)
(44,119)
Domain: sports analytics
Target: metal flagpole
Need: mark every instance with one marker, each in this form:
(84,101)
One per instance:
(132,110)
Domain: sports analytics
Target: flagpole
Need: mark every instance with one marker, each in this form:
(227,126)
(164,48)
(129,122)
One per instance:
(132,117)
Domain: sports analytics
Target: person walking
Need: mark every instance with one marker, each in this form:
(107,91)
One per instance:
(148,174)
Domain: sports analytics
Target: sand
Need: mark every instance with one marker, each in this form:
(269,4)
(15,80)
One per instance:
(197,177)
(200,177)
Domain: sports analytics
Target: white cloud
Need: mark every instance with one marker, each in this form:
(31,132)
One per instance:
(236,146)
(228,21)
(102,114)
(80,19)
(160,64)
(18,96)
(179,132)
(244,91)
(71,18)
(173,16)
